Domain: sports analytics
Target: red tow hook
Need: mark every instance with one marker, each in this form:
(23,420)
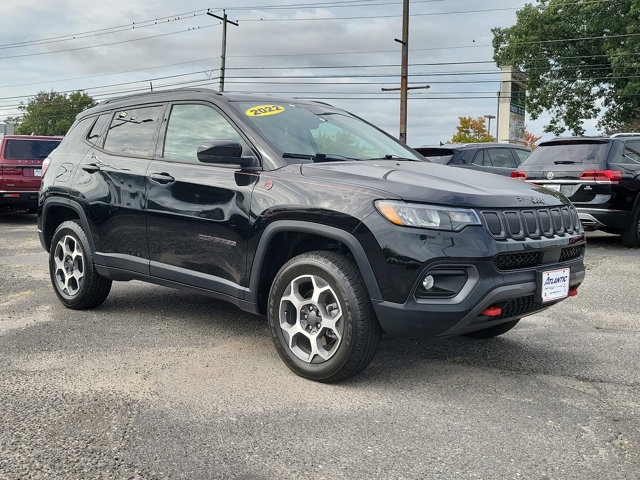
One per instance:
(492,311)
(573,293)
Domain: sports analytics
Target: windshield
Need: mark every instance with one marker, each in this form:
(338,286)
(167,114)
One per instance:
(308,133)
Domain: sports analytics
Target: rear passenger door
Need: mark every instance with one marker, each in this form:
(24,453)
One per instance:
(111,184)
(198,213)
(500,161)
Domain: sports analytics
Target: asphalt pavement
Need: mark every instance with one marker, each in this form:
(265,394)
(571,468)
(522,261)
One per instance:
(157,383)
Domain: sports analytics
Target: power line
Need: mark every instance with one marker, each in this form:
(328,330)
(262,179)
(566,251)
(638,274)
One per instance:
(106,31)
(108,44)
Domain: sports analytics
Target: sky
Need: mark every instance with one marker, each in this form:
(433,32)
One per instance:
(340,52)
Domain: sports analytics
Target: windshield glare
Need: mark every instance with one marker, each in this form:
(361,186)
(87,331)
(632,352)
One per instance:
(317,129)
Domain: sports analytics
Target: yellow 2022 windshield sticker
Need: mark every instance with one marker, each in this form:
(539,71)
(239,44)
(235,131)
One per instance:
(264,110)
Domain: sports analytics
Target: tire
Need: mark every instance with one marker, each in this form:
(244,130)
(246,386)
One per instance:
(320,298)
(631,236)
(493,331)
(73,275)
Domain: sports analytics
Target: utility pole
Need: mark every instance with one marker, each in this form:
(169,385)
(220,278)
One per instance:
(224,43)
(404,71)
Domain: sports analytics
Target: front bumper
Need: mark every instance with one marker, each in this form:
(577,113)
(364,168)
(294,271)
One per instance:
(503,268)
(516,293)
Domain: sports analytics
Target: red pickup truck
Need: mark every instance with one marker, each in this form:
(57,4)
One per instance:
(21,159)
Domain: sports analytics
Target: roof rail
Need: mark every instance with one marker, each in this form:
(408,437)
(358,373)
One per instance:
(625,134)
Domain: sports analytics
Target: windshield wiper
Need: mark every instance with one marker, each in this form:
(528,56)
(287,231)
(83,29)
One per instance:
(319,157)
(566,162)
(394,157)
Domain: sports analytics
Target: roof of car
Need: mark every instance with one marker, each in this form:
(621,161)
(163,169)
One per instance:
(190,93)
(461,146)
(616,136)
(30,137)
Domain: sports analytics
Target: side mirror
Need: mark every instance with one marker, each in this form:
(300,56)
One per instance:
(225,152)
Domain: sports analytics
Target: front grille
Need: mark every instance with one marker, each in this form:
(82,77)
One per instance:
(532,223)
(513,261)
(569,253)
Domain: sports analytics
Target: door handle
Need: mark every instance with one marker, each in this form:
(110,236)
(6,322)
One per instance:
(91,168)
(163,178)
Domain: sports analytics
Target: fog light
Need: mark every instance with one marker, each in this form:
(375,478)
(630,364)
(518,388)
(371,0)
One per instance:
(428,282)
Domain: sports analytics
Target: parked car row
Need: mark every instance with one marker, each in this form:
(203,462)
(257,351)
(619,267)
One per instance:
(600,175)
(324,223)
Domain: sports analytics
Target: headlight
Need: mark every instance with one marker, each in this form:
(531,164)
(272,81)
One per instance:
(426,216)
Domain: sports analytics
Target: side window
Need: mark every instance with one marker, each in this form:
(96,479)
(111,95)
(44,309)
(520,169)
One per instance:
(631,153)
(478,158)
(134,131)
(190,125)
(520,154)
(95,135)
(501,157)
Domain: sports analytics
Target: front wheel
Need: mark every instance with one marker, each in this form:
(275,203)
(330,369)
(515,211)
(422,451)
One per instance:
(73,275)
(321,319)
(493,331)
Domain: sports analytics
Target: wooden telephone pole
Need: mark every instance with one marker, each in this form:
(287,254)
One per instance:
(404,73)
(224,43)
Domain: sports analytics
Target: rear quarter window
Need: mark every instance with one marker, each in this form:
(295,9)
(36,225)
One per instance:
(134,131)
(630,155)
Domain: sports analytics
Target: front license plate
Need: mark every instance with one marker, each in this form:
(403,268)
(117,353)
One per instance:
(555,284)
(37,172)
(552,186)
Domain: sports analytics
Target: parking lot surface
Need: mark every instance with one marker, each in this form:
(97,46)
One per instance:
(158,383)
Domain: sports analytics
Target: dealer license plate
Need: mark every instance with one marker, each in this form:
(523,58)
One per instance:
(37,172)
(555,284)
(552,186)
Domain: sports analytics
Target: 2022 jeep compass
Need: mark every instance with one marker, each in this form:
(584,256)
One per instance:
(305,213)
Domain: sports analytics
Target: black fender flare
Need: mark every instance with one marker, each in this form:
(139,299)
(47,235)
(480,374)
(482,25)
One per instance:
(70,205)
(334,233)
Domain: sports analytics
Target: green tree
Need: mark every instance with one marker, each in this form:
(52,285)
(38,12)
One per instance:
(580,59)
(472,130)
(50,113)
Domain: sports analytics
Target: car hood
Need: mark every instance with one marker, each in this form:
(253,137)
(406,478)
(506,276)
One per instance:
(434,183)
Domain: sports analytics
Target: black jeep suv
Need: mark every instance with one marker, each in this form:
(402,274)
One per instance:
(303,212)
(600,175)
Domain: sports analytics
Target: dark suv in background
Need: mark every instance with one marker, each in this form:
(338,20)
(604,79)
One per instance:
(600,175)
(500,158)
(305,213)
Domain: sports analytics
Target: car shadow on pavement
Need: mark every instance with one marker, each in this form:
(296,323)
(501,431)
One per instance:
(202,320)
(18,218)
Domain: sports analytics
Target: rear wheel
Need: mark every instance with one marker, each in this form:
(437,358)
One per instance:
(321,319)
(631,236)
(73,275)
(493,331)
